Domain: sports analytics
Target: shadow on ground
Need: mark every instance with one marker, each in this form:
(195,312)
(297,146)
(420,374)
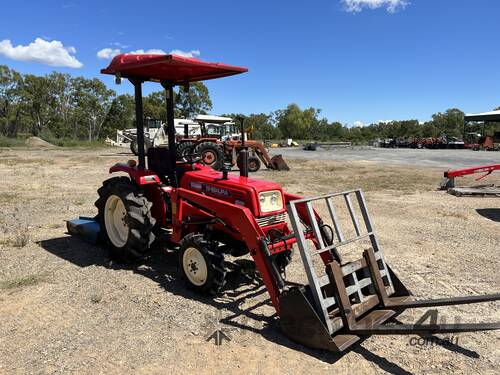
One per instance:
(490,213)
(161,267)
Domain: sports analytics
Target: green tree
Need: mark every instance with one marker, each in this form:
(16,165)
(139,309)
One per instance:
(63,99)
(296,123)
(155,106)
(194,102)
(121,115)
(10,98)
(93,101)
(38,102)
(450,122)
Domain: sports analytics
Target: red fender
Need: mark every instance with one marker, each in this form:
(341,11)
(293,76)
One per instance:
(139,175)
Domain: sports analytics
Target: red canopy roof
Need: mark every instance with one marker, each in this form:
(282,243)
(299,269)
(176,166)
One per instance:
(170,68)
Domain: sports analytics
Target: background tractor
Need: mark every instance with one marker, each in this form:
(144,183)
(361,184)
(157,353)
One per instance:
(221,141)
(206,215)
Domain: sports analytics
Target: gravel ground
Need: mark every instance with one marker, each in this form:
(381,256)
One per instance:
(66,308)
(446,159)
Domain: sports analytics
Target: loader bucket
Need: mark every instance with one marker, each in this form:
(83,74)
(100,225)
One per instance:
(301,323)
(279,164)
(357,298)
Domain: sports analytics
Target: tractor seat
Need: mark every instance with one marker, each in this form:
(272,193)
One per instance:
(160,162)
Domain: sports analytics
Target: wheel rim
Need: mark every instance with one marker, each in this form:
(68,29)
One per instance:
(209,157)
(252,165)
(114,220)
(195,266)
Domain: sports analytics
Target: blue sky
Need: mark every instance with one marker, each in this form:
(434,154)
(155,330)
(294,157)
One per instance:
(357,60)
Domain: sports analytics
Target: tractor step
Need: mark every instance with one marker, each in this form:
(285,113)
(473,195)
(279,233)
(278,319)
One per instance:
(356,298)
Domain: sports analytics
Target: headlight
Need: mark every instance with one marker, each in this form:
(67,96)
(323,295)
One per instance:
(274,199)
(270,201)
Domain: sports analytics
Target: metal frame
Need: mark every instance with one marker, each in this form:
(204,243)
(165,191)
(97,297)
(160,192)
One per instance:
(360,306)
(317,282)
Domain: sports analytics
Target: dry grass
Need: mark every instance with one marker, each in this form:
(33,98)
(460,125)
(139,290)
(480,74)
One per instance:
(20,239)
(22,282)
(457,215)
(324,176)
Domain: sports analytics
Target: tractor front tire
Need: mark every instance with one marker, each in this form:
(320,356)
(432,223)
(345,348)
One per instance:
(211,154)
(125,219)
(201,266)
(253,163)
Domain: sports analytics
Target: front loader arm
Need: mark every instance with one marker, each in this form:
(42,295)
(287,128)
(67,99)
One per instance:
(239,219)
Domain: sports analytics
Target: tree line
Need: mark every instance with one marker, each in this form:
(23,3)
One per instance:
(59,105)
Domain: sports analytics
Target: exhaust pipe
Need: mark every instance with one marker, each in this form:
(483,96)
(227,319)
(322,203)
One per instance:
(244,151)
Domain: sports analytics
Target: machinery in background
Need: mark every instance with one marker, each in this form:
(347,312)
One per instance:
(448,182)
(480,140)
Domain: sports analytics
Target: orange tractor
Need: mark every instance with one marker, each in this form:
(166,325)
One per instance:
(221,141)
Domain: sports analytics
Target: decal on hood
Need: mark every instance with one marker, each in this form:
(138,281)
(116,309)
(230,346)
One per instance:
(209,189)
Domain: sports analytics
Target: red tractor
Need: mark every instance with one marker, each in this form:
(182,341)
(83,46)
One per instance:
(207,214)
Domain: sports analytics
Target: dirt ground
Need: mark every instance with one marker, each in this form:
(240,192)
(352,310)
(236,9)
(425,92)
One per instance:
(65,308)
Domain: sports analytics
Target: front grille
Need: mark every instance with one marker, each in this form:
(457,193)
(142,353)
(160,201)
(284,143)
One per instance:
(270,220)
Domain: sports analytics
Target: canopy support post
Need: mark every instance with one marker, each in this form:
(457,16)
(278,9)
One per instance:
(139,122)
(169,93)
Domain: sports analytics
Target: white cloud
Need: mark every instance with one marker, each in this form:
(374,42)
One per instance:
(392,6)
(119,45)
(358,124)
(108,53)
(152,51)
(51,53)
(192,53)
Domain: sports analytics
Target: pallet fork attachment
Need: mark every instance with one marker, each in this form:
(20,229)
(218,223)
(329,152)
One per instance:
(355,299)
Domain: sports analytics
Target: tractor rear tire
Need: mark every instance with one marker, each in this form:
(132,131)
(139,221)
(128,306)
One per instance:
(253,164)
(125,219)
(211,154)
(201,266)
(183,149)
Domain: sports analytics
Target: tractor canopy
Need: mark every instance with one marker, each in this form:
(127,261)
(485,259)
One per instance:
(174,69)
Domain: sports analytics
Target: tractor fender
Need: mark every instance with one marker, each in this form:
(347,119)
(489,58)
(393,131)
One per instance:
(139,176)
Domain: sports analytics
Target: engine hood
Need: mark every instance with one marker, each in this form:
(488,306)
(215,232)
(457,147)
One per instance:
(239,190)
